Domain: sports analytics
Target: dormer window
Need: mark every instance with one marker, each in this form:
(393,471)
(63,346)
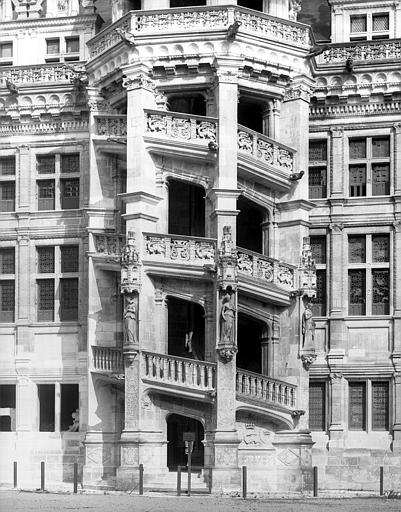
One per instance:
(364,27)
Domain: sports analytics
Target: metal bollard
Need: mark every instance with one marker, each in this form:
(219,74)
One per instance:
(210,483)
(75,477)
(141,479)
(15,474)
(42,476)
(189,477)
(178,480)
(381,481)
(315,482)
(244,482)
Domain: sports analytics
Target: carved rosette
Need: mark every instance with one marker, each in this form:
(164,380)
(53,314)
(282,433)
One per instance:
(130,266)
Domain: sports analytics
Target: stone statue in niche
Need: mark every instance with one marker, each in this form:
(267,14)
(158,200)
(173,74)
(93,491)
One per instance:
(226,247)
(227,319)
(75,424)
(308,328)
(130,321)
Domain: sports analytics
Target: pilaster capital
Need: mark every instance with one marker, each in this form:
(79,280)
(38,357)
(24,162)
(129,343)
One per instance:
(140,81)
(336,377)
(397,128)
(336,228)
(227,69)
(337,132)
(397,226)
(297,92)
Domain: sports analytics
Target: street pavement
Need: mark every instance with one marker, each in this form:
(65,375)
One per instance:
(16,501)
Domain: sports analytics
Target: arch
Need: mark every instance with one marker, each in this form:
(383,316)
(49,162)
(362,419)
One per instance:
(177,426)
(54,99)
(281,419)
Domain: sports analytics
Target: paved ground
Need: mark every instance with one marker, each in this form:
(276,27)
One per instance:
(13,501)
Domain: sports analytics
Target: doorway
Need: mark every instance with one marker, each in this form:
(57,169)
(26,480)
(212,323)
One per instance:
(176,456)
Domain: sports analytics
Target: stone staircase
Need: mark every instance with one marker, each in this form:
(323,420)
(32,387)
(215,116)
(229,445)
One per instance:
(168,482)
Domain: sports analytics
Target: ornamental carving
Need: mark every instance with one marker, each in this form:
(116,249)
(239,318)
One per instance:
(179,250)
(362,51)
(297,93)
(130,266)
(155,245)
(308,360)
(226,354)
(141,81)
(307,271)
(183,127)
(227,263)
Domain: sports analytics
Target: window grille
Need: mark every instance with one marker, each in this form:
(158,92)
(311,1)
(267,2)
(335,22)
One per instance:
(358,24)
(7,196)
(69,258)
(357,180)
(45,260)
(317,182)
(357,292)
(319,302)
(380,285)
(69,299)
(317,406)
(357,406)
(380,248)
(46,195)
(380,23)
(318,248)
(318,151)
(7,301)
(70,163)
(357,149)
(45,299)
(380,405)
(7,166)
(7,261)
(69,194)
(356,249)
(46,164)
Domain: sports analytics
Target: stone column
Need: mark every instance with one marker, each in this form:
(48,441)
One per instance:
(25,307)
(336,428)
(57,407)
(336,163)
(271,119)
(265,343)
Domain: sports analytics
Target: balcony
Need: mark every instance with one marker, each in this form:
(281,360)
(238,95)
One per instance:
(46,74)
(199,21)
(368,51)
(107,360)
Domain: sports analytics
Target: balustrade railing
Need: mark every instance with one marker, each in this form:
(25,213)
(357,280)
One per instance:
(265,269)
(107,359)
(200,19)
(363,50)
(43,127)
(181,249)
(36,74)
(264,389)
(174,125)
(178,371)
(109,245)
(111,126)
(265,150)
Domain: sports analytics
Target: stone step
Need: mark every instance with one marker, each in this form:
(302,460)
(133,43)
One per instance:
(168,483)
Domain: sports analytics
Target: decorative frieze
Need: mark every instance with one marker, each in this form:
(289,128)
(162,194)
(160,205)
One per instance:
(354,109)
(194,251)
(111,126)
(109,245)
(181,126)
(265,150)
(366,50)
(39,74)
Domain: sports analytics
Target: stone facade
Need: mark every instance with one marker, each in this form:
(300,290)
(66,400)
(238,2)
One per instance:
(171,261)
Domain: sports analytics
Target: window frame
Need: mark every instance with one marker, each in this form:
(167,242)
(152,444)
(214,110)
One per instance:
(326,402)
(368,384)
(321,309)
(7,315)
(369,34)
(63,55)
(57,406)
(316,165)
(9,59)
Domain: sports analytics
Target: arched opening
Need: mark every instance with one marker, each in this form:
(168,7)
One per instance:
(249,226)
(250,114)
(177,425)
(186,214)
(251,336)
(186,329)
(256,5)
(193,104)
(186,3)
(134,5)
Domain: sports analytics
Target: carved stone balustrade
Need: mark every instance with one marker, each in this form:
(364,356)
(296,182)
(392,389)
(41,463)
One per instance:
(363,50)
(178,371)
(105,359)
(352,110)
(19,128)
(200,20)
(108,245)
(256,387)
(265,269)
(265,150)
(173,125)
(111,125)
(49,73)
(180,249)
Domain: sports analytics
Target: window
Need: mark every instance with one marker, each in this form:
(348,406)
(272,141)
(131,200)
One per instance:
(318,247)
(72,45)
(317,406)
(57,405)
(53,46)
(369,166)
(57,283)
(369,26)
(59,192)
(7,183)
(7,166)
(7,284)
(7,408)
(317,169)
(369,405)
(369,274)
(64,49)
(6,54)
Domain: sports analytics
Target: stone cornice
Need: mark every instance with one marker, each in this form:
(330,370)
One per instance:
(81,21)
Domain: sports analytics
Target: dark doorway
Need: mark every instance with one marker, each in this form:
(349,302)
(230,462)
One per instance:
(249,355)
(249,226)
(186,329)
(186,214)
(176,426)
(250,114)
(134,5)
(186,3)
(256,5)
(193,104)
